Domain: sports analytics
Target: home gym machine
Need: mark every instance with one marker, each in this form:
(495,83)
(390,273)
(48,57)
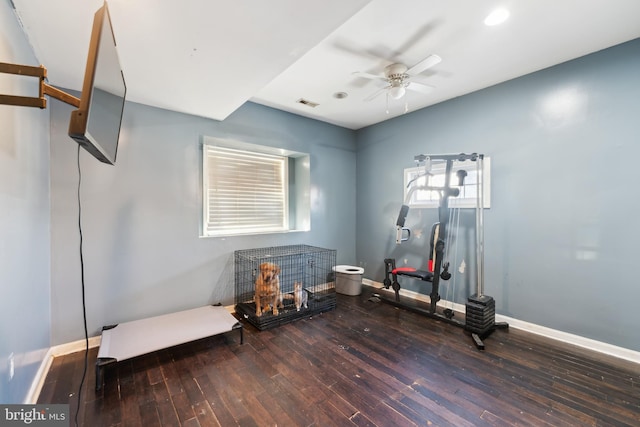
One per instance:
(479,308)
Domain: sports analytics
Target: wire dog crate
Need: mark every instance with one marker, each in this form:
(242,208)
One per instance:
(304,283)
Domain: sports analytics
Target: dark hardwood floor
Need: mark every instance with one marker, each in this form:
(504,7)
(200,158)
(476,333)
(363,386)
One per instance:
(364,364)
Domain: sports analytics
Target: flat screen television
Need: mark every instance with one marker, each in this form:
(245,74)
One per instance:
(95,125)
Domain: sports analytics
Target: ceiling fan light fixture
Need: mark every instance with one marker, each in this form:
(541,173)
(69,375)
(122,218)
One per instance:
(397,92)
(496,17)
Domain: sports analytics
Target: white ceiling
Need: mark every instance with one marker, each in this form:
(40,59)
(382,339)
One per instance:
(208,57)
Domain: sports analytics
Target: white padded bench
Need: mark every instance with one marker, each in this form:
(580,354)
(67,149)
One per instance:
(130,339)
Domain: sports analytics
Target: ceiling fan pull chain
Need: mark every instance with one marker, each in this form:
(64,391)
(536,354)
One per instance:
(387,102)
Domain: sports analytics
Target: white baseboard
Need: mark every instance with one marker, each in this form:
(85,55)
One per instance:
(43,370)
(72,347)
(577,340)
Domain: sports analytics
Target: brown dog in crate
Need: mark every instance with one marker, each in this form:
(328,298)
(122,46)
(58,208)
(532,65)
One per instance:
(268,289)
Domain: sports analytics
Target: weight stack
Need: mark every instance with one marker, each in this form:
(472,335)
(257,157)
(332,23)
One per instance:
(480,316)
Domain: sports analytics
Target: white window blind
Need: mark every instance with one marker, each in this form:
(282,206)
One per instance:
(245,192)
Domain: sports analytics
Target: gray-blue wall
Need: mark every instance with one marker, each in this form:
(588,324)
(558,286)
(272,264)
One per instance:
(143,253)
(561,236)
(24,222)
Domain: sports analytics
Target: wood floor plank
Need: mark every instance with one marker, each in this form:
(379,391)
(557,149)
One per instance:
(164,405)
(171,377)
(149,416)
(129,408)
(206,416)
(182,407)
(222,413)
(193,422)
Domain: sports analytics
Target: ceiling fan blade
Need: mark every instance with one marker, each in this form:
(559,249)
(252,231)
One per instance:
(427,62)
(376,93)
(420,87)
(369,76)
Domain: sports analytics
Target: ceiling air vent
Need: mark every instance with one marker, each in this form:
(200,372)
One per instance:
(307,103)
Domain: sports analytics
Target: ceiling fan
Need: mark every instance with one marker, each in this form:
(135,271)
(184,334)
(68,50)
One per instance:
(398,76)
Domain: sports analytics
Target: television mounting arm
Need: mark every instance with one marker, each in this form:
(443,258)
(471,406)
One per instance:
(45,88)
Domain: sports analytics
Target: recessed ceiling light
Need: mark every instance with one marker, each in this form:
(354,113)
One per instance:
(496,17)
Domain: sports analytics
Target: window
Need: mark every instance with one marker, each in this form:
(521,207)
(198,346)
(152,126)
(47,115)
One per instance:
(250,189)
(468,192)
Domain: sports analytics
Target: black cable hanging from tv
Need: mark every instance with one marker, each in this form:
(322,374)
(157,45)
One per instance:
(84,306)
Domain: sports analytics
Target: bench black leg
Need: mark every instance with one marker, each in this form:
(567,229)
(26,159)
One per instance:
(241,328)
(100,364)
